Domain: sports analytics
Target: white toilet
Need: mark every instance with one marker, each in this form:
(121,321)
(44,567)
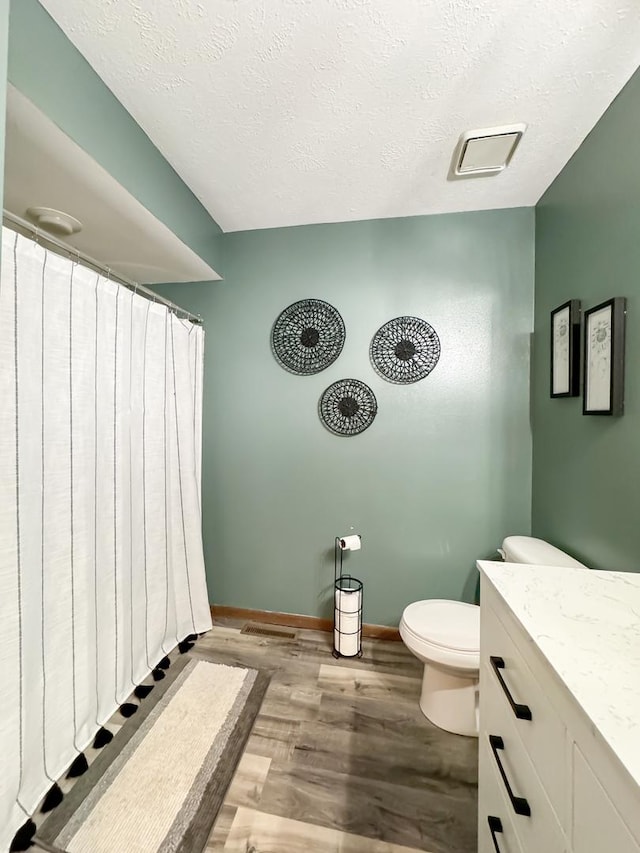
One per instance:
(445,636)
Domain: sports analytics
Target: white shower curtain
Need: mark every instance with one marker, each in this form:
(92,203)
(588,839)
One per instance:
(101,563)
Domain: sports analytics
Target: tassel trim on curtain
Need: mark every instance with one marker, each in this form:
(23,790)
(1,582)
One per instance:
(102,562)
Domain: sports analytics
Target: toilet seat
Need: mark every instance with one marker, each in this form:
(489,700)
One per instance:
(446,632)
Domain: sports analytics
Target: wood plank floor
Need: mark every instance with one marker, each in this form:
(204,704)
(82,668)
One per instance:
(340,757)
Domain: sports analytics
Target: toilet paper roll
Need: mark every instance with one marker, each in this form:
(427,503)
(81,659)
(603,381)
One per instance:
(347,623)
(348,601)
(351,543)
(346,644)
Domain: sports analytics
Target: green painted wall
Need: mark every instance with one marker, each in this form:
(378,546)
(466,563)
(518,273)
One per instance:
(586,470)
(443,474)
(4,47)
(46,67)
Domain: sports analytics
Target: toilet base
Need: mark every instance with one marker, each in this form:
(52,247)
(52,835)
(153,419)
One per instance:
(449,700)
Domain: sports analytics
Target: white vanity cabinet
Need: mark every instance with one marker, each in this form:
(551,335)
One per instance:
(559,740)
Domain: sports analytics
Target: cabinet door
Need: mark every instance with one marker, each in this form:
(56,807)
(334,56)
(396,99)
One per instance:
(597,825)
(496,833)
(511,680)
(530,811)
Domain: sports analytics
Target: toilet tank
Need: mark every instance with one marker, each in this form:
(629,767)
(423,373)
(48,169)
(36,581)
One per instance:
(536,552)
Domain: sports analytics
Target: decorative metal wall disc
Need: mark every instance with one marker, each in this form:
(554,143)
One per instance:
(347,407)
(405,350)
(308,336)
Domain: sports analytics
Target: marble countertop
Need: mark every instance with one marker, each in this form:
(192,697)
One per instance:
(587,625)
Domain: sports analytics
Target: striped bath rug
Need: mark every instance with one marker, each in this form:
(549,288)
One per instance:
(158,789)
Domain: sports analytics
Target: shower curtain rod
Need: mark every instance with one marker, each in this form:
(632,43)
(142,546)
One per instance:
(28,229)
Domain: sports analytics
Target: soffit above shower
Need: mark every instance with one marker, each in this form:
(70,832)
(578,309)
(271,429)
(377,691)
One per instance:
(290,112)
(43,166)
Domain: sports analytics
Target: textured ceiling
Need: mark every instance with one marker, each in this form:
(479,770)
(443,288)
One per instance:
(284,112)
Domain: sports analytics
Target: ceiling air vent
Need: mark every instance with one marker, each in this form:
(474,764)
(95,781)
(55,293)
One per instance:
(487,151)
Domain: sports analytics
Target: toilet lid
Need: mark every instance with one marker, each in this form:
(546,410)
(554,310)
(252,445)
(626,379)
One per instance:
(450,624)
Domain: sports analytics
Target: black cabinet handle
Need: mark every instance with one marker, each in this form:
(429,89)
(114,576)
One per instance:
(522,712)
(520,805)
(495,826)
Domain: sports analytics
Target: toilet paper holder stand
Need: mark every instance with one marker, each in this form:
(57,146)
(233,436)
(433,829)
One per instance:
(348,593)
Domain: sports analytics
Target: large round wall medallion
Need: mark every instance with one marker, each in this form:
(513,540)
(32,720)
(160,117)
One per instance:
(308,336)
(347,407)
(405,350)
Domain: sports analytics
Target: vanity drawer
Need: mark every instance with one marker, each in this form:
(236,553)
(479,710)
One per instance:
(597,825)
(496,833)
(534,819)
(515,690)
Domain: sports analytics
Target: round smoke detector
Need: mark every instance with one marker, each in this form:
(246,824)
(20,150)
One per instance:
(54,221)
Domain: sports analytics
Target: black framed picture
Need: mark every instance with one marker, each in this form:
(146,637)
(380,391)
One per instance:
(565,350)
(604,358)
